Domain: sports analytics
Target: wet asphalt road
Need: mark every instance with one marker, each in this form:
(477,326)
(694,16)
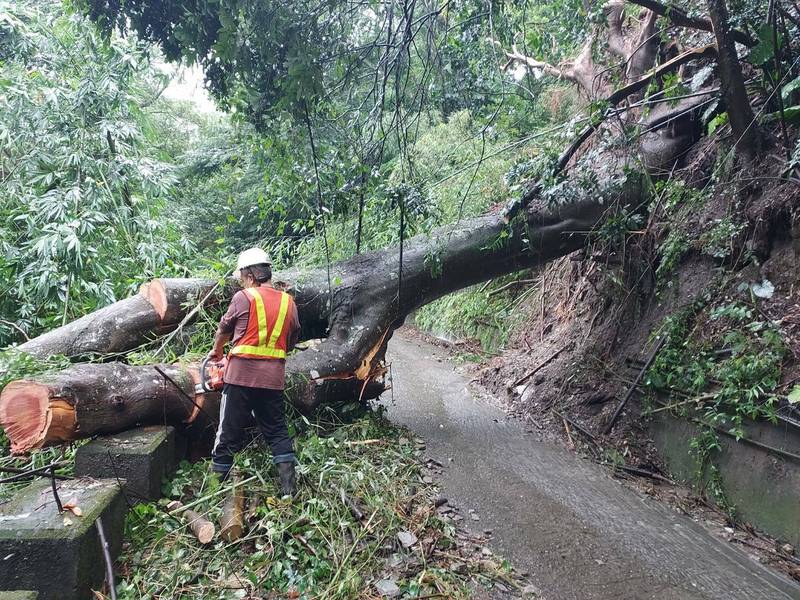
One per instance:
(579,533)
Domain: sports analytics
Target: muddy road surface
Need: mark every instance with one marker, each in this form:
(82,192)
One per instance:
(579,533)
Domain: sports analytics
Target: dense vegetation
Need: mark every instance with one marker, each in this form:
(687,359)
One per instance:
(99,164)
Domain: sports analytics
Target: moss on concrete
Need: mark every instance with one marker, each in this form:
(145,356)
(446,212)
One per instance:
(59,555)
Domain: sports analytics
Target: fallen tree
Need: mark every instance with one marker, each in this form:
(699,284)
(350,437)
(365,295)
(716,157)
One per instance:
(355,305)
(356,316)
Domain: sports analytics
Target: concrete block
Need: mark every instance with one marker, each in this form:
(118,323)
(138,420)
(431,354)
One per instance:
(143,457)
(59,555)
(19,595)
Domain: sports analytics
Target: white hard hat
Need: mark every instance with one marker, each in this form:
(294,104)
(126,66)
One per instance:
(252,256)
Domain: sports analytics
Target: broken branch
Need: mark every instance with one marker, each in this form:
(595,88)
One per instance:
(202,528)
(634,385)
(619,95)
(533,372)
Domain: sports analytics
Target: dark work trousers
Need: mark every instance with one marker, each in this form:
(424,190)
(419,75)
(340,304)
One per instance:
(239,405)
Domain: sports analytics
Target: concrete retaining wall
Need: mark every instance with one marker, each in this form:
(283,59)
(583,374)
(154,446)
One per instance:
(763,485)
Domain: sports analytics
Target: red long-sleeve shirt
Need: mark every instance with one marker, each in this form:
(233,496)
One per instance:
(249,372)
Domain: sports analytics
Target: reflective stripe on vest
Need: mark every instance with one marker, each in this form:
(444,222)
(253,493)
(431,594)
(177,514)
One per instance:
(264,349)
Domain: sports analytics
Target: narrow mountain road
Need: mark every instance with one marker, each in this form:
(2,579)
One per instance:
(579,533)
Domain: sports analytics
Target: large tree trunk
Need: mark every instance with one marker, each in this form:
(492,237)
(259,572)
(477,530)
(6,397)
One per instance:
(124,325)
(365,285)
(92,399)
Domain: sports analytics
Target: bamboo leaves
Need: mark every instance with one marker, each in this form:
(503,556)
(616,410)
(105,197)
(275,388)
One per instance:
(78,219)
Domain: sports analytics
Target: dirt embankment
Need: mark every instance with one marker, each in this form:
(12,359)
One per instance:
(595,315)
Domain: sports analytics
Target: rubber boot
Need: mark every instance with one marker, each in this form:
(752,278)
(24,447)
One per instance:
(286,473)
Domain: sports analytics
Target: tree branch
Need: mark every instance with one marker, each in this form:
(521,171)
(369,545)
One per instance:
(702,52)
(680,18)
(644,46)
(562,71)
(580,71)
(745,130)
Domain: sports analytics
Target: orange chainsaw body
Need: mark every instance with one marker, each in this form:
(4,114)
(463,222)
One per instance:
(212,375)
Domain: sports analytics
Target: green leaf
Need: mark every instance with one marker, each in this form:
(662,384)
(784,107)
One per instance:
(794,395)
(790,88)
(790,113)
(765,48)
(716,122)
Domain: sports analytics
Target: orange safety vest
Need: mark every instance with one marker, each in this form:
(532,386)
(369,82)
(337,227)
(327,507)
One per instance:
(266,333)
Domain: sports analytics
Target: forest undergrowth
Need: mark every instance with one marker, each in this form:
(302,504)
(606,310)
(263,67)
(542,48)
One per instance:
(366,521)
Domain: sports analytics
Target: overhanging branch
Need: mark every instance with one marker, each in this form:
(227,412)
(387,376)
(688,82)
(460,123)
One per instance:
(680,18)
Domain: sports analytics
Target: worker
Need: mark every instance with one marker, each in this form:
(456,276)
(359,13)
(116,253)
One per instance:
(263,324)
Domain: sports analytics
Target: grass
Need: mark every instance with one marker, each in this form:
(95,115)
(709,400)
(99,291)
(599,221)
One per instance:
(313,546)
(488,313)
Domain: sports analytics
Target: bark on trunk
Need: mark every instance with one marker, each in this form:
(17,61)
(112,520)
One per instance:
(124,325)
(362,303)
(360,314)
(747,135)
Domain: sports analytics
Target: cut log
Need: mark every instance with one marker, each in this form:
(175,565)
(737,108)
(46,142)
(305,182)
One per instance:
(202,528)
(124,325)
(232,521)
(91,399)
(356,318)
(104,398)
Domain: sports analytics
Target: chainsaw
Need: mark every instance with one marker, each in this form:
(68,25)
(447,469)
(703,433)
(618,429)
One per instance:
(211,375)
